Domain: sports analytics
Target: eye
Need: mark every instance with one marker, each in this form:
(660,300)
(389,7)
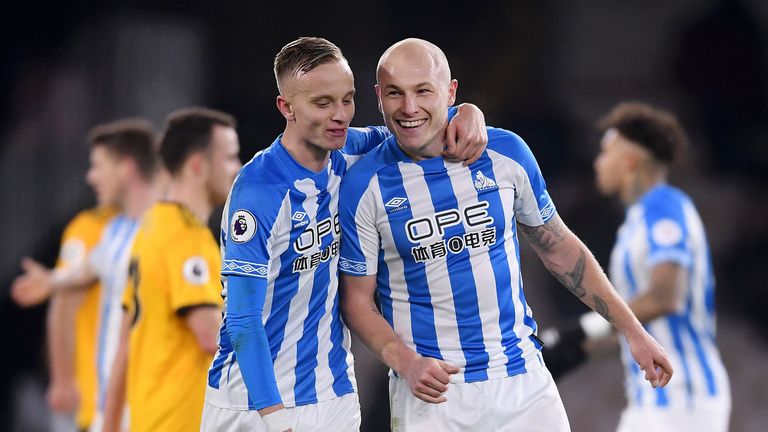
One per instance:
(393,93)
(424,91)
(322,104)
(348,101)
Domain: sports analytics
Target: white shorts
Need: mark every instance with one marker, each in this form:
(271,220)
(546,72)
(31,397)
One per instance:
(526,402)
(341,414)
(710,416)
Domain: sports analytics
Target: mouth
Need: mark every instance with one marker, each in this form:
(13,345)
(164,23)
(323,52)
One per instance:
(410,124)
(337,132)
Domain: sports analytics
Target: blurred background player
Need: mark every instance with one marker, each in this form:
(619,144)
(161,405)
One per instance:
(437,241)
(173,300)
(282,341)
(122,168)
(661,265)
(72,324)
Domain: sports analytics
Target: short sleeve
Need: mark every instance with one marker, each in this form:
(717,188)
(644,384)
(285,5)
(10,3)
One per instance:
(192,268)
(360,237)
(533,205)
(248,222)
(667,231)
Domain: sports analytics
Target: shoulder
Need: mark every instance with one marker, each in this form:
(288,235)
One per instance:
(91,219)
(664,214)
(664,201)
(260,182)
(509,144)
(358,177)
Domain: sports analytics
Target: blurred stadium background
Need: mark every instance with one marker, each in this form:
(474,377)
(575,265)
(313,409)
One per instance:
(543,69)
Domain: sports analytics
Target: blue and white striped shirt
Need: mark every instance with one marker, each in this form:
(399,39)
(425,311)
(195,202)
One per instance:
(109,260)
(664,226)
(442,240)
(280,229)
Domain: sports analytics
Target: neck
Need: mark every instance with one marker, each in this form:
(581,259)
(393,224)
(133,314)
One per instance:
(139,197)
(429,150)
(193,196)
(639,184)
(304,153)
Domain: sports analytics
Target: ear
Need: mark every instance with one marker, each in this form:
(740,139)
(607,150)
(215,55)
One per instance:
(378,97)
(127,167)
(285,107)
(197,165)
(452,92)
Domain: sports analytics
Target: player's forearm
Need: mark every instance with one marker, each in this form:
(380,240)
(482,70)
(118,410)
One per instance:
(665,294)
(364,319)
(578,270)
(73,279)
(245,302)
(569,260)
(61,336)
(116,387)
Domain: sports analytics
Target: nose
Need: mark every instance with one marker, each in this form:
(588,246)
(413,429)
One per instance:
(90,176)
(410,107)
(343,113)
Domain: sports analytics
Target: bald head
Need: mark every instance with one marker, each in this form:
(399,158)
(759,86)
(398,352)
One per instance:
(414,53)
(415,89)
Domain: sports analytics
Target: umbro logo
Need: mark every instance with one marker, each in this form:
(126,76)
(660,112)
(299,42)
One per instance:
(396,204)
(300,218)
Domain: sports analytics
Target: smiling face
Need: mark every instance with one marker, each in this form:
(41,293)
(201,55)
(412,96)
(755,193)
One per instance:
(414,90)
(318,106)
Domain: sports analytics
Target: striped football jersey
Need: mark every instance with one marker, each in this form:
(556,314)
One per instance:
(442,240)
(280,225)
(664,226)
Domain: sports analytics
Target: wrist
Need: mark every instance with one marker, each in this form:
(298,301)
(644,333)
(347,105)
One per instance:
(403,357)
(277,421)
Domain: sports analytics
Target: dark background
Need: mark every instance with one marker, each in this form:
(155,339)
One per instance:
(545,69)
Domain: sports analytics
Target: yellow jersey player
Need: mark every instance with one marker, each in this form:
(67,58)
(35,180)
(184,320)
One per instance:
(121,169)
(169,333)
(73,378)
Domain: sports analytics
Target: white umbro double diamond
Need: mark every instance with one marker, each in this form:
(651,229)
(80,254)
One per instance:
(298,216)
(396,202)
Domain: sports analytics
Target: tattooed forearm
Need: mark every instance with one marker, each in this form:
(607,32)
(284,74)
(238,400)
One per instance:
(544,236)
(574,278)
(602,308)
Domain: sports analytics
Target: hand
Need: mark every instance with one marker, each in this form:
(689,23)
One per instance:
(276,418)
(563,349)
(428,378)
(34,286)
(651,358)
(63,397)
(466,135)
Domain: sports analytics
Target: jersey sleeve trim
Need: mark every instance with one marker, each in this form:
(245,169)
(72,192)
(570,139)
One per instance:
(352,267)
(678,256)
(243,268)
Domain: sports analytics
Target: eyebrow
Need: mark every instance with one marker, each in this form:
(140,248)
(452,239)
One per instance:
(421,84)
(329,97)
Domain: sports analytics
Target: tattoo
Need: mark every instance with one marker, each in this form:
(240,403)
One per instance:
(602,308)
(574,278)
(375,310)
(545,236)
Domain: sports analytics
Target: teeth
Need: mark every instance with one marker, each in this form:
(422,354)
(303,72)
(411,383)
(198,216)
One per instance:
(411,124)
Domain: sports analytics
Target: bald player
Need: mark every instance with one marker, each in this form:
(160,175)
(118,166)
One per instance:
(437,241)
(284,361)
